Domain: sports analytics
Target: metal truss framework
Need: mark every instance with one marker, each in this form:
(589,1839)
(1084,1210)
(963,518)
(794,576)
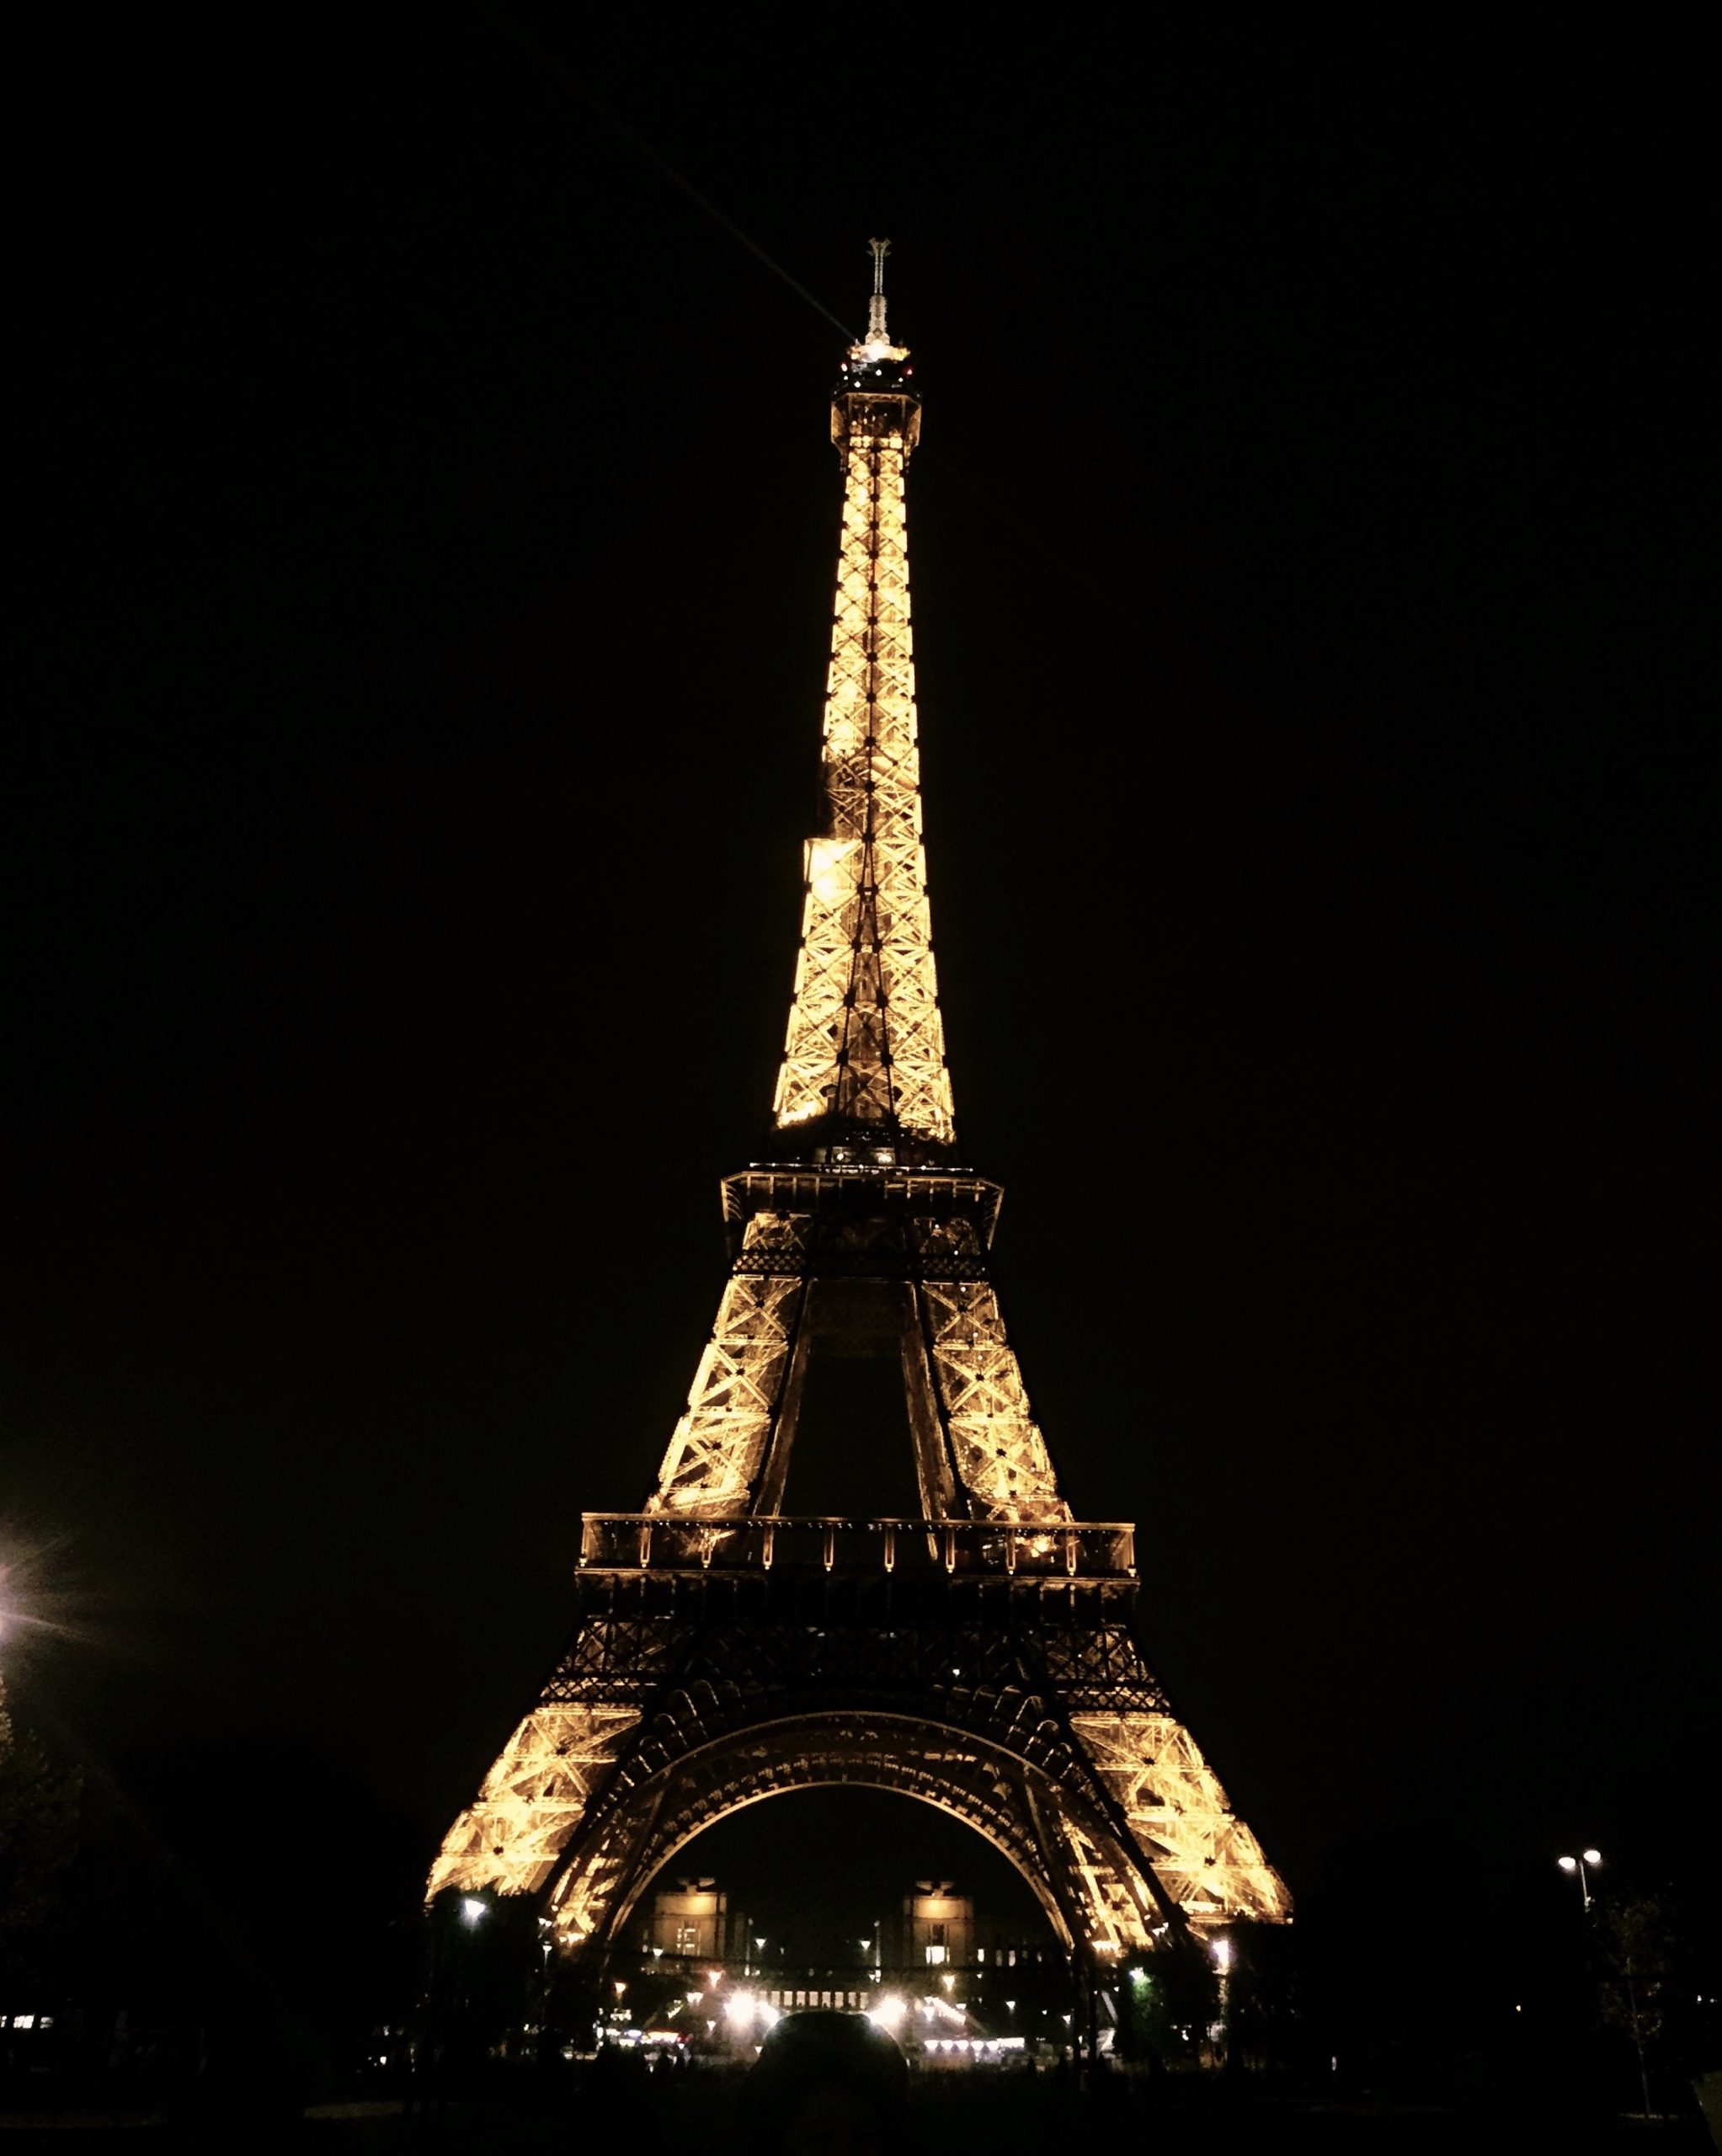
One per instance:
(866,1042)
(1021,1706)
(807,1241)
(979,1658)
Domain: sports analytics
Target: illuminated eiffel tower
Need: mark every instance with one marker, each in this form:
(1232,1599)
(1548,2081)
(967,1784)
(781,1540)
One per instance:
(978,1656)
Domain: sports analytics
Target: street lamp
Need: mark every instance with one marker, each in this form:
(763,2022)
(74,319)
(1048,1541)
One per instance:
(1222,1953)
(1580,1867)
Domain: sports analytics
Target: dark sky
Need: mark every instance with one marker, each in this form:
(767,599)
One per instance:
(429,529)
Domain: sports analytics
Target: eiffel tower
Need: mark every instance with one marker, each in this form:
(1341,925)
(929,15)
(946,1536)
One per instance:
(979,1656)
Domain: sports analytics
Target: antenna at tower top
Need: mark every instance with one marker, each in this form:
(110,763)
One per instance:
(875,306)
(875,347)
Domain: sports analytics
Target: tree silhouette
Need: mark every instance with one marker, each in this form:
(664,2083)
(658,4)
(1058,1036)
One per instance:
(1636,1942)
(38,1838)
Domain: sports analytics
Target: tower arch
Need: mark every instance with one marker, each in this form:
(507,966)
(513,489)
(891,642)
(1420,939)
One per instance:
(1012,1803)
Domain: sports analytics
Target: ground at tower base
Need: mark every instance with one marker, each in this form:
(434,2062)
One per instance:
(620,2104)
(186,2001)
(1326,2035)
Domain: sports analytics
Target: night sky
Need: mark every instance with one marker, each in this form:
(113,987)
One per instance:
(429,525)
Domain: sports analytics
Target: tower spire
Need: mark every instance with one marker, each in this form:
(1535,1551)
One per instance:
(864,1059)
(877,333)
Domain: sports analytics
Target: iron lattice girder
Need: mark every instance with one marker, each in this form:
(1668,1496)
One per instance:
(979,1447)
(865,1041)
(718,1449)
(794,1680)
(681,1685)
(998,1796)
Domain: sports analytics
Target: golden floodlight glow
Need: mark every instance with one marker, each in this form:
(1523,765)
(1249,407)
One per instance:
(690,1689)
(509,1836)
(865,1040)
(1204,1856)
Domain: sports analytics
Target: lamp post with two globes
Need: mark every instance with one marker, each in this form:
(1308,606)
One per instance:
(1580,1867)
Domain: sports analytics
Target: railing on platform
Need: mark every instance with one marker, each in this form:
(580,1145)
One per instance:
(643,1542)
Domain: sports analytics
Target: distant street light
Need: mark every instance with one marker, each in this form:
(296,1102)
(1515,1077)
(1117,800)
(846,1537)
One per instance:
(472,1910)
(1221,1950)
(1580,1867)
